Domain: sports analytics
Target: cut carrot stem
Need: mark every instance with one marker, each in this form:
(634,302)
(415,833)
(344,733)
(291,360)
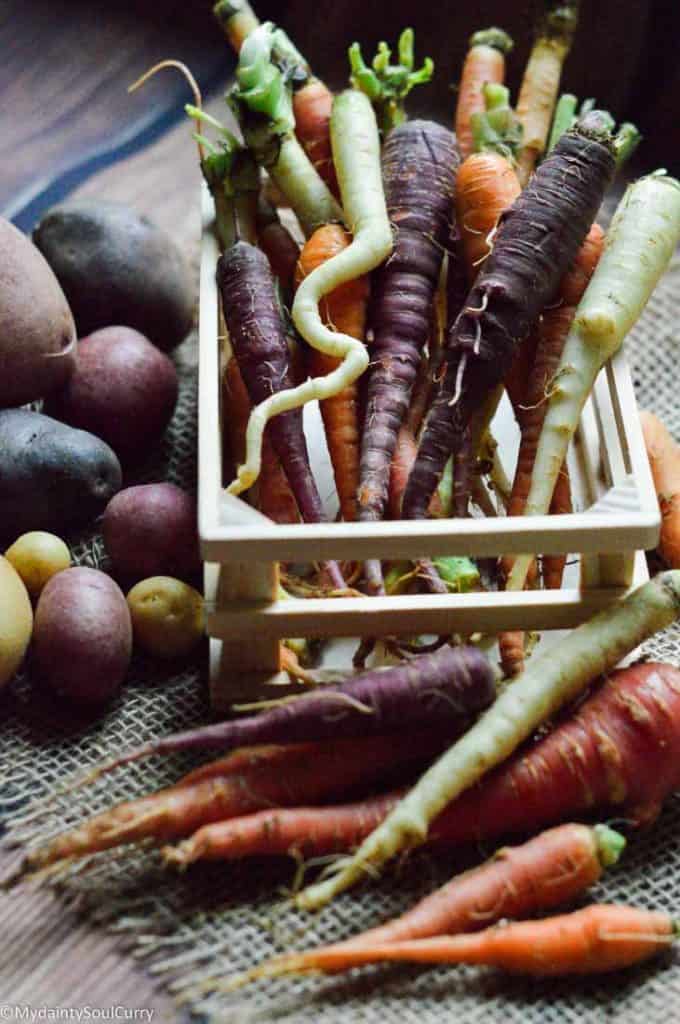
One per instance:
(237,20)
(541,81)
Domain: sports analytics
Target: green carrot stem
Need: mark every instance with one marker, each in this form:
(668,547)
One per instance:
(552,680)
(262,101)
(639,245)
(497,129)
(626,142)
(565,115)
(386,84)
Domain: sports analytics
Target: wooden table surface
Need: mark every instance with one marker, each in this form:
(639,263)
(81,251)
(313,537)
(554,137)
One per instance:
(72,129)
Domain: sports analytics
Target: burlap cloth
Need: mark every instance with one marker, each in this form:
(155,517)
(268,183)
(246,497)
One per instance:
(218,919)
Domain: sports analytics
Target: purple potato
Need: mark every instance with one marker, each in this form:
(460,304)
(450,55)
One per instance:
(151,530)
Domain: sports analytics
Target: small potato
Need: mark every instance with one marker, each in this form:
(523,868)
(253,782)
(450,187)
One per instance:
(37,557)
(16,621)
(82,639)
(167,616)
(123,389)
(151,530)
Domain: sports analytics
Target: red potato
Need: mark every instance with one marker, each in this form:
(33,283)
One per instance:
(151,530)
(123,390)
(82,635)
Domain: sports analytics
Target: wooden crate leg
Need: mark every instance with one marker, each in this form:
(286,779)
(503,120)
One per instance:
(599,571)
(244,667)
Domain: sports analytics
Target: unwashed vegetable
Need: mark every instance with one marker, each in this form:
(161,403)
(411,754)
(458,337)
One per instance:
(451,685)
(116,267)
(82,637)
(551,680)
(419,163)
(151,530)
(258,339)
(37,556)
(343,310)
(278,244)
(641,239)
(123,389)
(37,332)
(602,937)
(51,476)
(618,752)
(17,621)
(246,781)
(536,241)
(663,453)
(548,340)
(551,869)
(167,616)
(484,64)
(356,152)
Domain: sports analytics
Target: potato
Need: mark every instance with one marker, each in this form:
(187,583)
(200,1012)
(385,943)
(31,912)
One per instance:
(51,476)
(37,557)
(82,638)
(116,267)
(37,332)
(123,390)
(16,621)
(167,616)
(151,530)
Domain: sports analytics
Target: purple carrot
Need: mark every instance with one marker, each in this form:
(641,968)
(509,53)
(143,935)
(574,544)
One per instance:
(258,339)
(420,160)
(450,686)
(536,241)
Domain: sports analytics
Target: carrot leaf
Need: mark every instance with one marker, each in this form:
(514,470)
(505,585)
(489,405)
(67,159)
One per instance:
(386,84)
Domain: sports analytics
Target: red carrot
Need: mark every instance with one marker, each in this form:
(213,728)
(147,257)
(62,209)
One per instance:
(343,310)
(298,831)
(537,239)
(245,782)
(261,349)
(602,937)
(485,62)
(419,164)
(452,684)
(663,453)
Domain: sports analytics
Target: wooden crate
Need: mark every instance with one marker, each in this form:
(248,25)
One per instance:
(612,487)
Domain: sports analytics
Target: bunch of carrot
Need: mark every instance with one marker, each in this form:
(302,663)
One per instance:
(437,270)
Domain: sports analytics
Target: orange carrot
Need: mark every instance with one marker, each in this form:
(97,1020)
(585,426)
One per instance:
(271,494)
(664,459)
(553,868)
(541,82)
(297,831)
(601,937)
(343,310)
(485,186)
(485,62)
(550,334)
(249,780)
(312,109)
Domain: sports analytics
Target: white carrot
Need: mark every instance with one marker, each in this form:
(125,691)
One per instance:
(356,155)
(639,244)
(552,679)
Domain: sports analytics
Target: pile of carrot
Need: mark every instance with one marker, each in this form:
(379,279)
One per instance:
(431,271)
